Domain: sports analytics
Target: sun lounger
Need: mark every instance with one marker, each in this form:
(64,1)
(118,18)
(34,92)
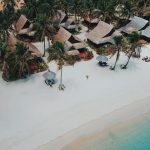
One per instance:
(103,64)
(145,58)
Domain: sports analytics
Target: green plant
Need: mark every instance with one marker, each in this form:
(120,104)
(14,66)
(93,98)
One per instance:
(70,59)
(89,55)
(101,51)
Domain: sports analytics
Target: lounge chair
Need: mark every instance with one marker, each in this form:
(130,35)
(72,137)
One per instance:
(103,64)
(145,58)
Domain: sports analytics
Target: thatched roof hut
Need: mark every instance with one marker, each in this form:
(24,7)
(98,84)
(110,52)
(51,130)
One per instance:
(60,17)
(71,41)
(33,49)
(22,23)
(146,34)
(101,33)
(12,41)
(136,24)
(91,22)
(69,24)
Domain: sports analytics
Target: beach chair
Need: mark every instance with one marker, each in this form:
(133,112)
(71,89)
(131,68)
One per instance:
(102,64)
(50,78)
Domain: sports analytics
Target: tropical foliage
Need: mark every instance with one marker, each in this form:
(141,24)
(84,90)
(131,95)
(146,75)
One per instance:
(41,14)
(58,51)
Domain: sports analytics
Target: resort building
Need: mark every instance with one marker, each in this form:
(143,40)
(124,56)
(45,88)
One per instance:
(101,34)
(136,24)
(71,41)
(146,34)
(24,28)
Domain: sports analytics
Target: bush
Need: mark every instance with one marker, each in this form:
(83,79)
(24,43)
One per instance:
(89,55)
(101,51)
(71,60)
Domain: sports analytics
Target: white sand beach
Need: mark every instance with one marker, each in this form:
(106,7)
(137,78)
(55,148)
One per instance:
(115,121)
(33,115)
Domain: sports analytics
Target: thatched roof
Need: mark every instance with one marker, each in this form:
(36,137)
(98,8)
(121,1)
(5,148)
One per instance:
(61,17)
(146,32)
(100,34)
(136,24)
(73,52)
(33,49)
(21,22)
(27,31)
(70,40)
(12,41)
(62,35)
(69,24)
(91,21)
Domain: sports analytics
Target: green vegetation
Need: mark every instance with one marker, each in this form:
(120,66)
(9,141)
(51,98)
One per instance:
(42,12)
(58,51)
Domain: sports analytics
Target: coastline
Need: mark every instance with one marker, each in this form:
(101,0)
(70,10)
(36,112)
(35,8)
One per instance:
(45,114)
(97,129)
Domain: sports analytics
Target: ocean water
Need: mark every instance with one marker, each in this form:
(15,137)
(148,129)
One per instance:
(134,136)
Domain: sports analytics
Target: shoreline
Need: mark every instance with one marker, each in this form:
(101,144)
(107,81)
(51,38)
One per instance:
(46,114)
(98,128)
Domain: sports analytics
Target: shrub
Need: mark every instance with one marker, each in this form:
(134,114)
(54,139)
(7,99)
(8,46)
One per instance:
(71,60)
(89,55)
(101,51)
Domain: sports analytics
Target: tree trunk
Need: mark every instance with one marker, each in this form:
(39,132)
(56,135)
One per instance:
(125,66)
(61,76)
(75,16)
(49,45)
(117,57)
(44,48)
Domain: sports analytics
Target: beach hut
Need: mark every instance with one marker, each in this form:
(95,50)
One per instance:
(12,41)
(22,23)
(71,42)
(33,50)
(69,25)
(101,34)
(91,22)
(24,28)
(145,34)
(136,24)
(60,17)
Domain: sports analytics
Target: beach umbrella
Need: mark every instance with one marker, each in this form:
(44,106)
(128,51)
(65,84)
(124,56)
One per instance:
(49,75)
(102,58)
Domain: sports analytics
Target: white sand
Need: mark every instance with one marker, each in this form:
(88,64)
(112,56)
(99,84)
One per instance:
(99,128)
(32,114)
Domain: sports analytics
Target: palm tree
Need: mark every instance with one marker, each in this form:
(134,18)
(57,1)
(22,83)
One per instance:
(118,41)
(44,28)
(58,50)
(32,6)
(133,38)
(2,51)
(106,9)
(17,62)
(21,61)
(75,7)
(7,18)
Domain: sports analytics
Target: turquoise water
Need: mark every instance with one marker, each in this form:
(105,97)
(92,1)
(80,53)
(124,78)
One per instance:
(135,136)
